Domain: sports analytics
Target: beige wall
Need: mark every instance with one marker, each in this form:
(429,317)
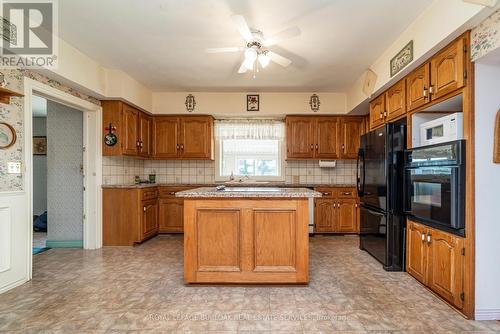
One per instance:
(234,104)
(440,23)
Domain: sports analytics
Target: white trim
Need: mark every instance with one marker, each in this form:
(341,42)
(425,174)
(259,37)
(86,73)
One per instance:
(92,113)
(487,314)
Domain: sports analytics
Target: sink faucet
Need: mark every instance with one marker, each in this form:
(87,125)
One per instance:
(244,178)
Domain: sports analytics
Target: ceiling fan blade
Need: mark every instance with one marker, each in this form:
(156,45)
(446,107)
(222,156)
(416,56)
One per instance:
(242,26)
(242,68)
(223,50)
(279,59)
(287,33)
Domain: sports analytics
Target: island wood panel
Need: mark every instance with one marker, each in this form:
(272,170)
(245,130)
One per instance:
(271,241)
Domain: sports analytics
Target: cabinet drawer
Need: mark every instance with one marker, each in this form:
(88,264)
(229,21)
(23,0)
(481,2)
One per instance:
(150,193)
(346,193)
(326,192)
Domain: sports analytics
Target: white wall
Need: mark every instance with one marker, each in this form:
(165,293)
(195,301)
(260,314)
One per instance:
(487,103)
(39,170)
(234,104)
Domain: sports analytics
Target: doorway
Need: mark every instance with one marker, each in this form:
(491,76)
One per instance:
(58,172)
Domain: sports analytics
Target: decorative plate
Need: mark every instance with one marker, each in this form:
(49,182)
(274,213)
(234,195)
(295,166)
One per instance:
(7,135)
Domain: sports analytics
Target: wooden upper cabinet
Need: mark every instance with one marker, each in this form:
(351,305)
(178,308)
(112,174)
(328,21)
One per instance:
(196,137)
(145,135)
(300,137)
(130,133)
(377,112)
(396,100)
(352,128)
(325,215)
(166,134)
(448,69)
(417,87)
(446,266)
(327,143)
(416,245)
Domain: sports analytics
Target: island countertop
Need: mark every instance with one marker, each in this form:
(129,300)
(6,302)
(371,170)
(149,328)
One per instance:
(248,192)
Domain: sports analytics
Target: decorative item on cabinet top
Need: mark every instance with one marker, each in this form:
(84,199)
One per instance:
(403,58)
(314,102)
(190,103)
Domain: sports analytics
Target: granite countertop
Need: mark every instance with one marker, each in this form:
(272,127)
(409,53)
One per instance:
(238,192)
(258,184)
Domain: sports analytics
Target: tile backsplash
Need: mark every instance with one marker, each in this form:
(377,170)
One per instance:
(122,170)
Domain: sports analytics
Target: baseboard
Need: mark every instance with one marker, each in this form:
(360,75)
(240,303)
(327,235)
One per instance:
(64,243)
(491,314)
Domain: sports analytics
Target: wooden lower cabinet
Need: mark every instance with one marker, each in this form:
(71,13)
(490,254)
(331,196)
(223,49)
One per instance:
(337,211)
(170,213)
(130,215)
(437,259)
(230,240)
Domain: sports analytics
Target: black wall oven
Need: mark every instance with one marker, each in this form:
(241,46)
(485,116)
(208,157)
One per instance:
(435,185)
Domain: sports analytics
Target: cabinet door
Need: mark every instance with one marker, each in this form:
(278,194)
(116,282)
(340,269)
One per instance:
(196,137)
(416,245)
(447,69)
(417,87)
(166,134)
(396,100)
(446,266)
(325,215)
(327,142)
(130,131)
(300,137)
(145,135)
(351,136)
(171,215)
(347,216)
(377,112)
(149,221)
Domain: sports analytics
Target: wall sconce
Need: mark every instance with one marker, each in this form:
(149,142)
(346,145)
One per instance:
(314,102)
(190,103)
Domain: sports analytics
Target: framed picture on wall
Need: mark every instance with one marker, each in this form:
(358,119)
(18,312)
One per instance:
(39,145)
(253,102)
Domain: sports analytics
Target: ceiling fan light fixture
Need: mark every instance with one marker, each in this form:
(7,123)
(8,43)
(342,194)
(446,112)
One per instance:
(263,60)
(250,56)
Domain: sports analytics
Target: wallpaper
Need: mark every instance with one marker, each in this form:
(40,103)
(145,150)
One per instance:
(13,115)
(485,37)
(64,178)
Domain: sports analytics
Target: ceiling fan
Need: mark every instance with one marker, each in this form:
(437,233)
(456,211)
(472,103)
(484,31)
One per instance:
(256,51)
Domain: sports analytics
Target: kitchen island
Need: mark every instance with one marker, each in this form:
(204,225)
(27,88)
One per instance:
(246,235)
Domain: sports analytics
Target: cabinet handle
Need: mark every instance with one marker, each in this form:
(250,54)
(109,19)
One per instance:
(356,205)
(312,147)
(182,146)
(138,143)
(425,93)
(347,193)
(327,193)
(423,236)
(316,147)
(343,148)
(431,90)
(429,237)
(381,115)
(144,209)
(178,147)
(385,113)
(172,193)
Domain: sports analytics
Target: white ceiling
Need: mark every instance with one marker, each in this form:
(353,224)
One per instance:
(161,43)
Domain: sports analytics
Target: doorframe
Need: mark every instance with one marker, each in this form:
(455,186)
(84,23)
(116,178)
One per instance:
(92,160)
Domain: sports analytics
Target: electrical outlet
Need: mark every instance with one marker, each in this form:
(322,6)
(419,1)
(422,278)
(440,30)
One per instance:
(14,167)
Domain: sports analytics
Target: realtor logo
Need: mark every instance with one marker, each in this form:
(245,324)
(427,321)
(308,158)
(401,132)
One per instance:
(29,34)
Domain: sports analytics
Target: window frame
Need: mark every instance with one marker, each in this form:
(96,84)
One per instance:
(281,165)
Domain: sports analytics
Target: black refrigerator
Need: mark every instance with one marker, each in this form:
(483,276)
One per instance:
(380,178)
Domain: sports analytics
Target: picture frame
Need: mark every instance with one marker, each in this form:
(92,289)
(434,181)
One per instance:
(496,140)
(39,145)
(402,59)
(253,103)
(8,135)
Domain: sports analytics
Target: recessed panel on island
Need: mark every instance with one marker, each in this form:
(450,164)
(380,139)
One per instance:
(246,235)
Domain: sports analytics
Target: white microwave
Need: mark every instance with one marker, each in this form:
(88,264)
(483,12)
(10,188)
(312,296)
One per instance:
(443,129)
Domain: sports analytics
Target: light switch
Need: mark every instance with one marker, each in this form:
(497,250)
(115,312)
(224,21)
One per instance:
(14,167)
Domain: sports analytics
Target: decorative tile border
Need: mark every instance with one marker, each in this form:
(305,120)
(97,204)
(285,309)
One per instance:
(485,37)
